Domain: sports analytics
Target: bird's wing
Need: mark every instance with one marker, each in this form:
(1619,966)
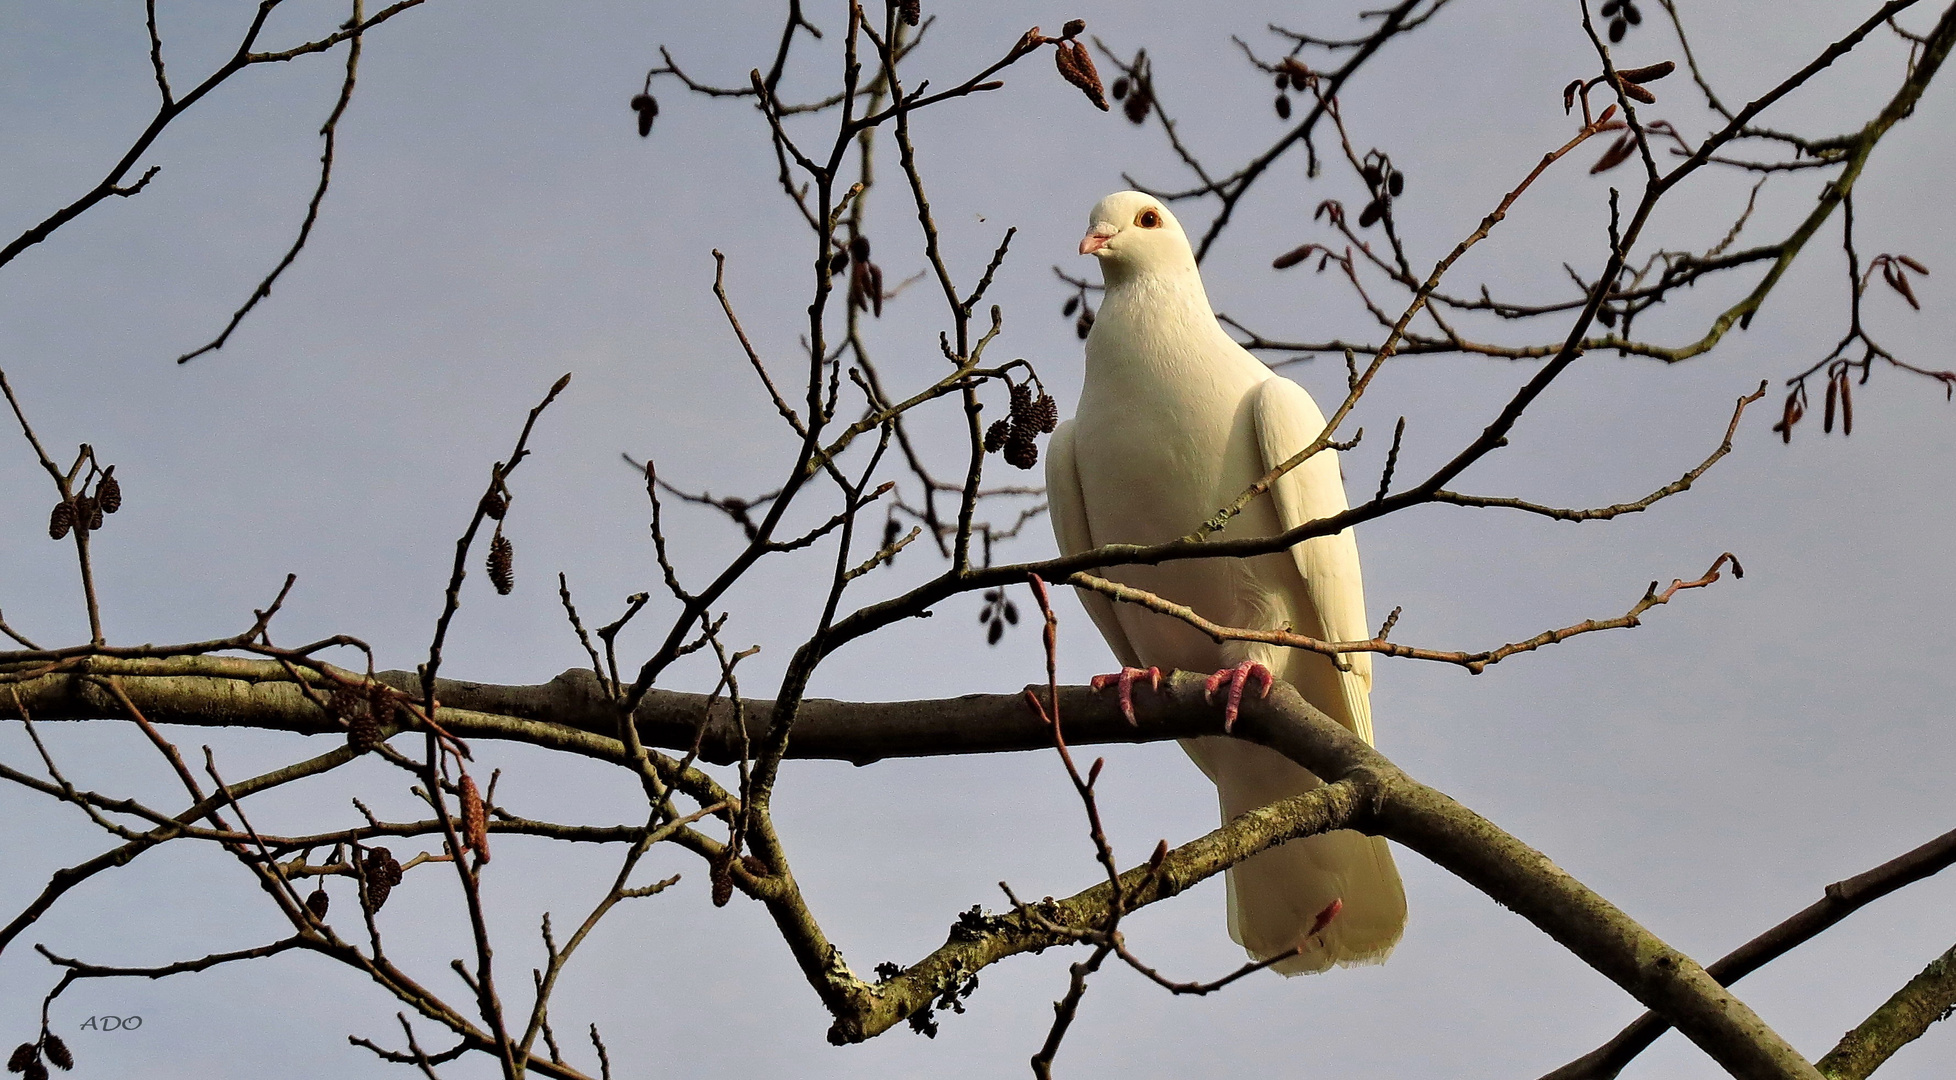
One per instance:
(1068,509)
(1286,421)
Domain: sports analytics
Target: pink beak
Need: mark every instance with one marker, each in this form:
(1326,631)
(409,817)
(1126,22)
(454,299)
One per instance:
(1096,238)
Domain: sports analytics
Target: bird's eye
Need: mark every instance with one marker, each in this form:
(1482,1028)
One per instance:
(1148,219)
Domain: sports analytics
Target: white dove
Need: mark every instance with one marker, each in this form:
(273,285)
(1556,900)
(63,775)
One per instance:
(1175,421)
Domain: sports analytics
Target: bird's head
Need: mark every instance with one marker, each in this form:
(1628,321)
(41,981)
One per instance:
(1133,235)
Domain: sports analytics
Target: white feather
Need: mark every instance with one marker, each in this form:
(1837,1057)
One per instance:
(1176,420)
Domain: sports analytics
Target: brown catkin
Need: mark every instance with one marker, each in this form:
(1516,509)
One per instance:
(57,1052)
(722,878)
(754,865)
(502,564)
(495,505)
(996,435)
(475,819)
(108,492)
(61,520)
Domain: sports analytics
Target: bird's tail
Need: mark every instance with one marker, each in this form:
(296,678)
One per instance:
(1276,895)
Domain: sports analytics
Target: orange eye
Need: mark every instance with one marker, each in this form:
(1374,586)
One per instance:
(1148,219)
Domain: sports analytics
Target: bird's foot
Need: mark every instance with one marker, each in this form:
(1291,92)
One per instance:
(1238,677)
(1124,686)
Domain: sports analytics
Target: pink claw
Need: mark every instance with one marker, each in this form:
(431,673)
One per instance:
(1237,677)
(1124,685)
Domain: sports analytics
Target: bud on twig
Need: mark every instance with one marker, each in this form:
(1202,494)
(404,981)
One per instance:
(1076,67)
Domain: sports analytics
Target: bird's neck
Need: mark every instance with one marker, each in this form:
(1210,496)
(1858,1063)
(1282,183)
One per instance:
(1152,326)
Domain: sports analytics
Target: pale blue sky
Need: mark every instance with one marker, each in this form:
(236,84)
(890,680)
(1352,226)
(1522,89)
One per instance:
(495,222)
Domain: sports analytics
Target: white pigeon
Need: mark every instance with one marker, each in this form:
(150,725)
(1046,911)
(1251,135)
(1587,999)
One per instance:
(1175,421)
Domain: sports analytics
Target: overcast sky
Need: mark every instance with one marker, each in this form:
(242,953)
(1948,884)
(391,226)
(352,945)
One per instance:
(494,221)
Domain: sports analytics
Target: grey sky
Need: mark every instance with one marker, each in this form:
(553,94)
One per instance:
(494,222)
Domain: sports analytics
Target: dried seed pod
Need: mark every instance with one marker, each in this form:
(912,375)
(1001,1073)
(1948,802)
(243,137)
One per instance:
(1138,104)
(1374,176)
(1283,81)
(838,262)
(86,513)
(57,1051)
(1617,28)
(61,520)
(1610,9)
(1076,67)
(1119,89)
(24,1053)
(1283,106)
(475,819)
(318,902)
(1606,316)
(1012,613)
(910,11)
(495,504)
(1370,216)
(1084,324)
(994,631)
(1072,305)
(35,1070)
(754,865)
(647,108)
(996,435)
(363,733)
(108,492)
(1396,183)
(1631,13)
(1045,414)
(502,564)
(1021,452)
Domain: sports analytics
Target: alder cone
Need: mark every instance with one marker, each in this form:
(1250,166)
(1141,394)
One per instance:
(59,523)
(1022,405)
(35,1070)
(995,436)
(57,1052)
(24,1053)
(910,11)
(1021,452)
(108,493)
(363,733)
(317,902)
(88,516)
(502,564)
(1044,414)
